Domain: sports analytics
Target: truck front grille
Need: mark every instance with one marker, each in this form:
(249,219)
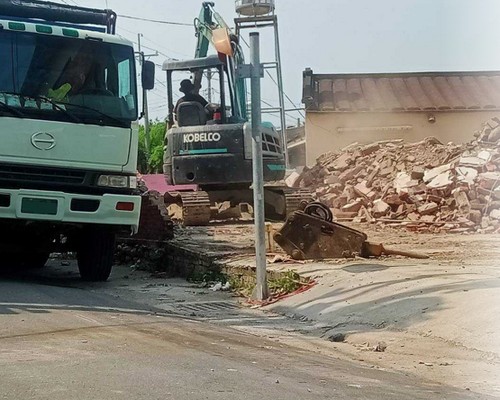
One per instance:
(41,175)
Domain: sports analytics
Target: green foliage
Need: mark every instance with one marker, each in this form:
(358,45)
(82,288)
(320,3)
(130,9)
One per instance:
(209,276)
(279,284)
(241,285)
(287,282)
(157,133)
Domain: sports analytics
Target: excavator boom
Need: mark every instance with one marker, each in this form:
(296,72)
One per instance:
(208,21)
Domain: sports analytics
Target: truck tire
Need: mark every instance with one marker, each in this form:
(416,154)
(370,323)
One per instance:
(96,254)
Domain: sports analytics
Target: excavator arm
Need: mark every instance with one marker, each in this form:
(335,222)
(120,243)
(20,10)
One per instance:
(205,24)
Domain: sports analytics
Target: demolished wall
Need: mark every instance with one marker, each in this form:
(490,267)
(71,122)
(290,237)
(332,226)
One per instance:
(424,186)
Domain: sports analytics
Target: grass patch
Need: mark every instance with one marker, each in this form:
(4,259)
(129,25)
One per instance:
(279,283)
(286,282)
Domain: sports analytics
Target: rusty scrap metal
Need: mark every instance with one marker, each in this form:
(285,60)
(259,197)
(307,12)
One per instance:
(371,249)
(312,235)
(306,237)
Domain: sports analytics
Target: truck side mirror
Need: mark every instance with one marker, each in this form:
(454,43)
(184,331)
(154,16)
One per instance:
(148,75)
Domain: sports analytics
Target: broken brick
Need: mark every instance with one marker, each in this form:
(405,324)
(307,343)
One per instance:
(352,207)
(417,173)
(454,184)
(462,201)
(380,208)
(428,208)
(475,216)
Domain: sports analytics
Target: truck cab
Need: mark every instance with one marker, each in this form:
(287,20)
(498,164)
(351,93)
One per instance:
(68,153)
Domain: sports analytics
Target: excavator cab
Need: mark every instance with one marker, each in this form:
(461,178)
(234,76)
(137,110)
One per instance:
(212,146)
(225,110)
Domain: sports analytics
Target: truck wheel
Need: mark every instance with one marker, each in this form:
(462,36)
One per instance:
(96,254)
(35,260)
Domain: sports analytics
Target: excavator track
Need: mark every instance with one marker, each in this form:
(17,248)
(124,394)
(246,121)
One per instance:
(294,199)
(291,200)
(195,206)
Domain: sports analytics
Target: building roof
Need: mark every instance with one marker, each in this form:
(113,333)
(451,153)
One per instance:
(425,91)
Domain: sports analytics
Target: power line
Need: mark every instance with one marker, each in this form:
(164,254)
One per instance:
(155,20)
(170,50)
(137,18)
(160,82)
(276,83)
(288,98)
(150,48)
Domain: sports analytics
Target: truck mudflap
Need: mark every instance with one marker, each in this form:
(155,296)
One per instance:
(39,205)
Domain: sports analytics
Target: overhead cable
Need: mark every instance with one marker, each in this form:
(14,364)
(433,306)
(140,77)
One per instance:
(155,20)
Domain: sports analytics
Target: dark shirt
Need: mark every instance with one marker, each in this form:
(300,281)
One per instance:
(191,97)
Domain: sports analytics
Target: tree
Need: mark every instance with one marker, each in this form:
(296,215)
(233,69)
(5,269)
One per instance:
(157,134)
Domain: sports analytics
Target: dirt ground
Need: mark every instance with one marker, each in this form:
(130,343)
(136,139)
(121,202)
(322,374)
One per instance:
(437,318)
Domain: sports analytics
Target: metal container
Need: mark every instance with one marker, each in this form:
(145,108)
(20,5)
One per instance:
(252,8)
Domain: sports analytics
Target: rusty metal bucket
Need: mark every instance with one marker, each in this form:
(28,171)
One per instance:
(307,237)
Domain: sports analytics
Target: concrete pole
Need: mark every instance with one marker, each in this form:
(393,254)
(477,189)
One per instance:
(147,138)
(261,291)
(209,87)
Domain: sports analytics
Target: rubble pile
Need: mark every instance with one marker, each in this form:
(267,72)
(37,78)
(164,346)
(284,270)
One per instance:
(425,186)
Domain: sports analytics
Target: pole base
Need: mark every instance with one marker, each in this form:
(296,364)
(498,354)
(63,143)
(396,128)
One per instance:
(261,292)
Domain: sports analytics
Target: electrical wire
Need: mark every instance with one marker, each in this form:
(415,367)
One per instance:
(170,50)
(156,21)
(276,83)
(150,48)
(160,83)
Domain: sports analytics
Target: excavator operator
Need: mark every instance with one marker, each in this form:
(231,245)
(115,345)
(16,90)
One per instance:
(187,88)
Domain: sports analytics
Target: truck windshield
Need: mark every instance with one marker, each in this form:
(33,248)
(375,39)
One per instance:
(58,78)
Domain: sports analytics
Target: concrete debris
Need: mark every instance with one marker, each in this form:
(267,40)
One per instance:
(155,223)
(426,186)
(380,347)
(292,179)
(337,337)
(220,287)
(495,214)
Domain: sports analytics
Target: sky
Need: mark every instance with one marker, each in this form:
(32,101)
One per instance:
(329,36)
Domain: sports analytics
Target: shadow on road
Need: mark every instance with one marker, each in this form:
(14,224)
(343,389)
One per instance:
(59,287)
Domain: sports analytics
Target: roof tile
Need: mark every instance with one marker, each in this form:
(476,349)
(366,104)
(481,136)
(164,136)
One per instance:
(358,101)
(407,91)
(447,91)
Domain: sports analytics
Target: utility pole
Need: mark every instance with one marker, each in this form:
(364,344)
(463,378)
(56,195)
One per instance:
(261,291)
(209,87)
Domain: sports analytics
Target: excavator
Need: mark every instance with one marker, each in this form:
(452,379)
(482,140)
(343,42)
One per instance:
(211,146)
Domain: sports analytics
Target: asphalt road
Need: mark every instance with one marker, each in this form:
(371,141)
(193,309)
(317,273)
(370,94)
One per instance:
(64,339)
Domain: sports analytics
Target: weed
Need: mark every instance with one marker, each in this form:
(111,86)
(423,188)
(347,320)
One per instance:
(286,282)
